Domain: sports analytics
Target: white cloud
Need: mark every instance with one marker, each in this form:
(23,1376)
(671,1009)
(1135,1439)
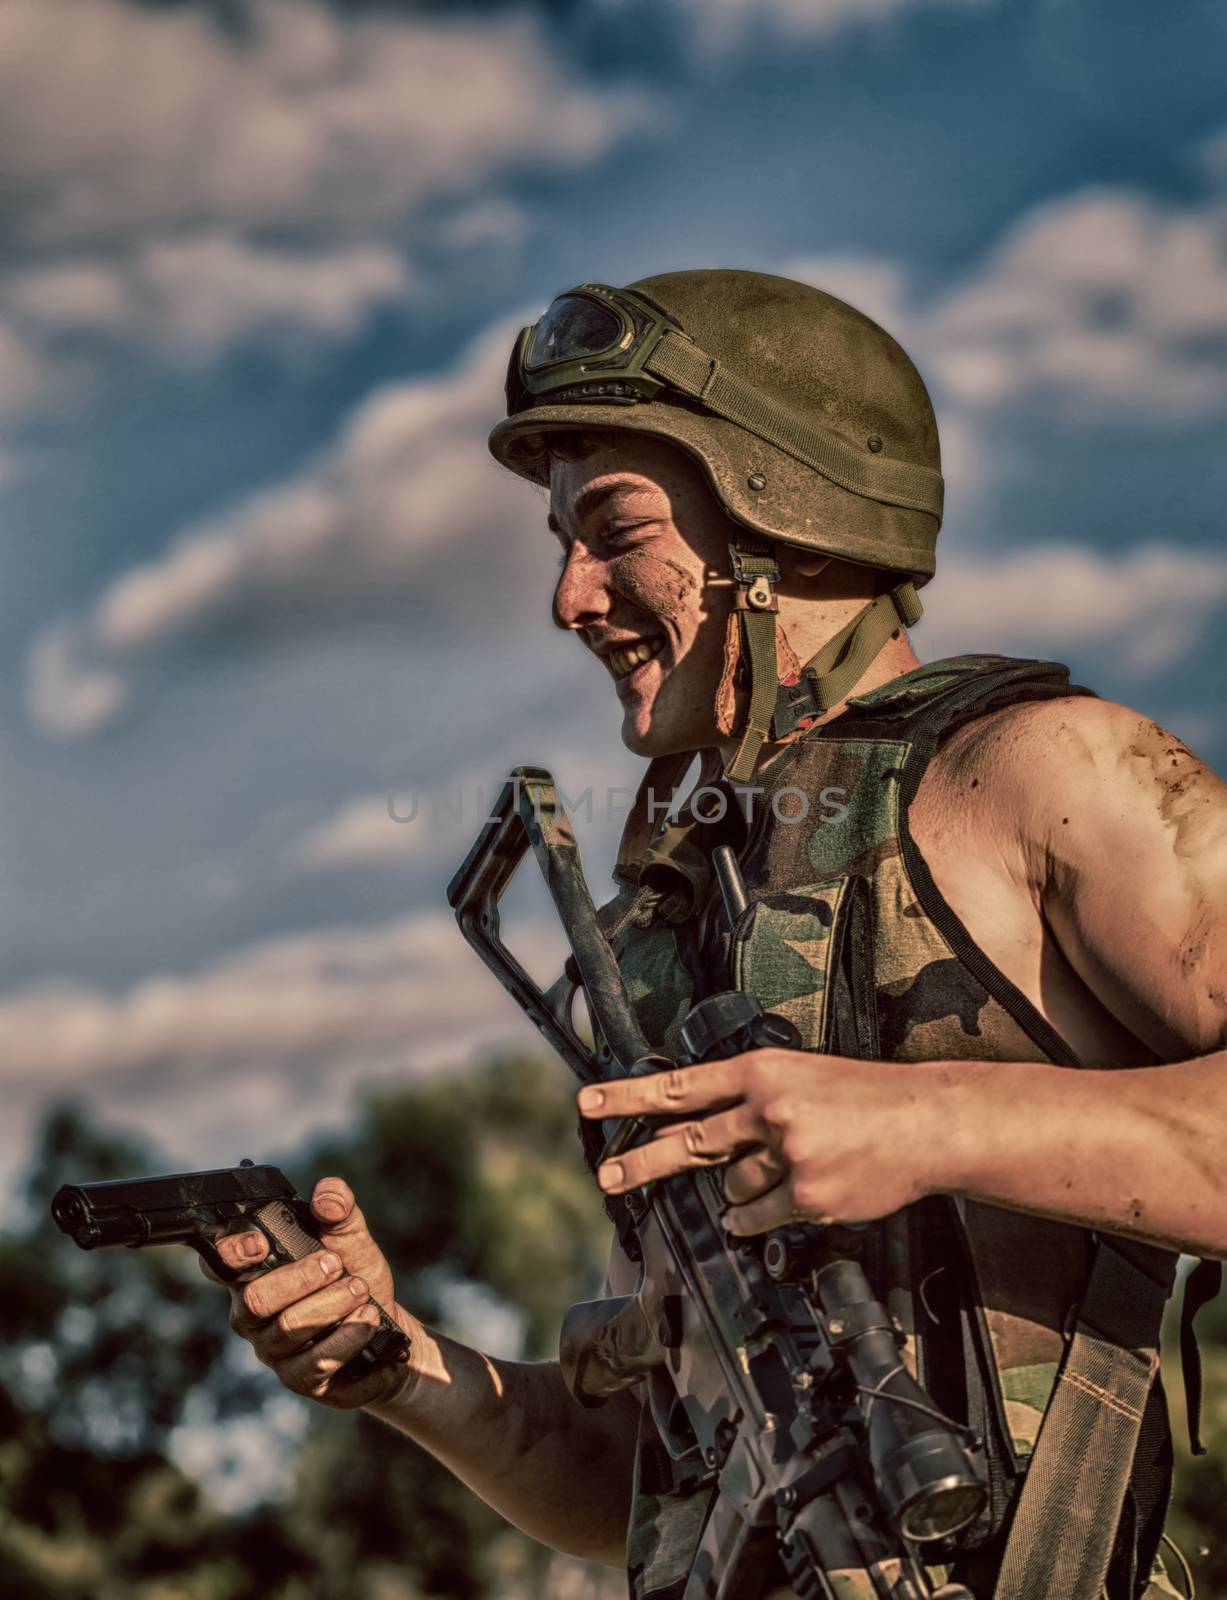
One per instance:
(1102,304)
(276,1037)
(407,822)
(64,696)
(1106,303)
(1104,307)
(177,186)
(368,831)
(1151,605)
(407,482)
(721,25)
(1211,156)
(305,995)
(196,297)
(121,119)
(26,377)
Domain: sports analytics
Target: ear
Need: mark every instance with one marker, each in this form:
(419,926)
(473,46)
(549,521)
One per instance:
(807,563)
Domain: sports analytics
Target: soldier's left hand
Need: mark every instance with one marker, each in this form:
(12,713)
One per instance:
(806,1137)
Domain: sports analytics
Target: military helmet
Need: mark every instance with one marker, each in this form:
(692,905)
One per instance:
(810,422)
(813,428)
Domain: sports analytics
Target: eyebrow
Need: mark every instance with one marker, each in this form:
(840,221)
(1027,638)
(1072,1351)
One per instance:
(589,501)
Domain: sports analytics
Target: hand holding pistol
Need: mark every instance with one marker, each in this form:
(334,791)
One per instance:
(286,1261)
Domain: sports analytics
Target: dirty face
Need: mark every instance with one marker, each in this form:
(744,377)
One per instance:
(641,537)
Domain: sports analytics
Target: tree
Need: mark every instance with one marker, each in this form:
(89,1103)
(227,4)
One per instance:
(471,1183)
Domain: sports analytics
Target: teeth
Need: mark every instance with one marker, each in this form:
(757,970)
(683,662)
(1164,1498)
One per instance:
(623,661)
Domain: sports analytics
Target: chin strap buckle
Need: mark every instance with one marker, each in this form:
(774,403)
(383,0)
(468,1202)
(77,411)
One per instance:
(756,577)
(755,605)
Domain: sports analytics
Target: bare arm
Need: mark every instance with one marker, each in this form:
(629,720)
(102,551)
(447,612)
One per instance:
(1129,834)
(507,1429)
(1126,835)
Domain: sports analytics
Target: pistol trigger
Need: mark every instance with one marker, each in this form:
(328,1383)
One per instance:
(205,1250)
(277,1255)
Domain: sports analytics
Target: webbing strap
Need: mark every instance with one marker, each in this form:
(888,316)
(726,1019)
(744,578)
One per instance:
(843,660)
(1201,1286)
(648,811)
(1065,1526)
(755,572)
(684,366)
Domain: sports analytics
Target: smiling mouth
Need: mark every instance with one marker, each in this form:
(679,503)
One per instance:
(624,661)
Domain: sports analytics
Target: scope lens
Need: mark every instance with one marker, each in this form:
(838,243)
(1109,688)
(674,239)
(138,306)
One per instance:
(942,1510)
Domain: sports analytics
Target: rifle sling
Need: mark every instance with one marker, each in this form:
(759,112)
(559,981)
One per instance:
(1065,1526)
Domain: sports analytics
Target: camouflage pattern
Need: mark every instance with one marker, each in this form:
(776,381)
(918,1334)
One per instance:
(813,881)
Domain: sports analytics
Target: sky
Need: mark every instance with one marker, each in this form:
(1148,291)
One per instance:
(272,619)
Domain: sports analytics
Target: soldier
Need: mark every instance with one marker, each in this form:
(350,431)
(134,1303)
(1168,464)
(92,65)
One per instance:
(978,891)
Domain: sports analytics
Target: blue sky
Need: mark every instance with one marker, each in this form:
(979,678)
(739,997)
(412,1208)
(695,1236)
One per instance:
(261,265)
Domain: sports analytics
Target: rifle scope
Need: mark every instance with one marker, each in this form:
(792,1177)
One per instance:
(925,1476)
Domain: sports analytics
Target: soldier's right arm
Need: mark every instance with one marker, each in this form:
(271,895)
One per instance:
(508,1429)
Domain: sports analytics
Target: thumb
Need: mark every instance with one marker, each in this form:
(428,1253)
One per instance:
(333,1204)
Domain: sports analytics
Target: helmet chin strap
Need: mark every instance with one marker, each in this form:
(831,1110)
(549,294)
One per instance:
(778,709)
(756,607)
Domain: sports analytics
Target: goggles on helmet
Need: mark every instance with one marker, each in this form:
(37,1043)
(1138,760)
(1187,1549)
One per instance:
(591,344)
(597,344)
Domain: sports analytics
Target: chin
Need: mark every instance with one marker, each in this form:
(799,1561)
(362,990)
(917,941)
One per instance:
(656,740)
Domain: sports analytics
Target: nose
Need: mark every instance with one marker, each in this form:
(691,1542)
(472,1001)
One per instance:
(582,595)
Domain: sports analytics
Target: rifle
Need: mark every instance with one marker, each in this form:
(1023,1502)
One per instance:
(198,1209)
(773,1371)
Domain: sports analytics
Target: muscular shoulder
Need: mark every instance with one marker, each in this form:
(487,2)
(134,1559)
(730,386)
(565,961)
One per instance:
(1122,831)
(1071,769)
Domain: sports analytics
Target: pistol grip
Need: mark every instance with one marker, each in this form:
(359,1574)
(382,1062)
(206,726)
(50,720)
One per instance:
(288,1228)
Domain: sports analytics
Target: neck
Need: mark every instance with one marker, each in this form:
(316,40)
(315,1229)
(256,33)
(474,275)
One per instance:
(895,658)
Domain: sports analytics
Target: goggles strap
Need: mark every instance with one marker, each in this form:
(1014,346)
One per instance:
(685,367)
(843,660)
(755,574)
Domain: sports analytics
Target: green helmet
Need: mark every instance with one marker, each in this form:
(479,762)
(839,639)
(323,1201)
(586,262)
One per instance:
(812,425)
(829,441)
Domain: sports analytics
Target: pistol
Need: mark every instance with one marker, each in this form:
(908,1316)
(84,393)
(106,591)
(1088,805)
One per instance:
(198,1209)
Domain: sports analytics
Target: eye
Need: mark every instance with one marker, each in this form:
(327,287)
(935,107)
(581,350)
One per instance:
(623,531)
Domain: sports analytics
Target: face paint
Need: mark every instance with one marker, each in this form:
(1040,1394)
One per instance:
(652,591)
(653,583)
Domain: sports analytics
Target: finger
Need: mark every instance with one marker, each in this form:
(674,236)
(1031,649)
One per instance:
(342,1223)
(302,1323)
(773,1210)
(270,1293)
(310,1371)
(694,1144)
(241,1252)
(754,1174)
(333,1203)
(682,1089)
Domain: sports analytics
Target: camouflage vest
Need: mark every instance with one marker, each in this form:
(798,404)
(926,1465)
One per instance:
(847,935)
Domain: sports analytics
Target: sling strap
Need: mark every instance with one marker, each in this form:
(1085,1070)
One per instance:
(1068,1513)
